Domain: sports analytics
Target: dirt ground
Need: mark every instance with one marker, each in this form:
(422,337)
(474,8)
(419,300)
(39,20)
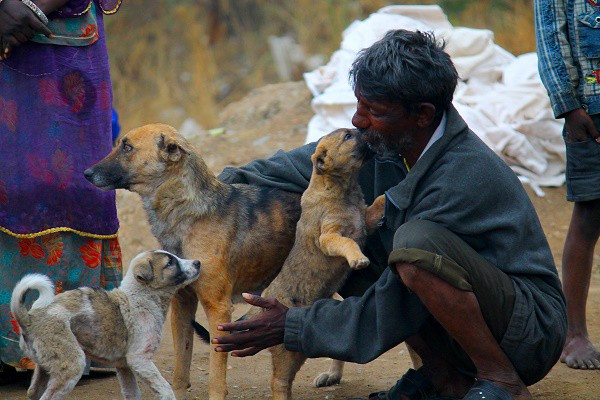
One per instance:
(268,119)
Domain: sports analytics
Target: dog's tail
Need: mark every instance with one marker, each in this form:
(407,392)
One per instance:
(38,282)
(204,334)
(201,331)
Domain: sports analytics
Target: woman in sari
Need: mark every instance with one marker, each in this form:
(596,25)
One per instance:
(55,121)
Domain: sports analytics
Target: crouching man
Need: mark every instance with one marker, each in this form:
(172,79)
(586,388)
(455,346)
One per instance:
(460,267)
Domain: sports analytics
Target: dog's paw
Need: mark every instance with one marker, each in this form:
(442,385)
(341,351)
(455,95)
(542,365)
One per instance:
(359,263)
(375,213)
(327,379)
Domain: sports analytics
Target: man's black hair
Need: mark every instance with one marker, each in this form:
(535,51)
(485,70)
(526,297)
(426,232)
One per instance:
(408,68)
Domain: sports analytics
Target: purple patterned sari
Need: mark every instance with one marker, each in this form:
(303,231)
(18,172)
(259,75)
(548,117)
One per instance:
(55,121)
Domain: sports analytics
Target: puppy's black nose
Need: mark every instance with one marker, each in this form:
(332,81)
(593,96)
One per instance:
(88,173)
(196,263)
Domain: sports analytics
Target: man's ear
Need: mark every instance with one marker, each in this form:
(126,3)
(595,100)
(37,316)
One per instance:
(143,272)
(425,114)
(170,149)
(318,160)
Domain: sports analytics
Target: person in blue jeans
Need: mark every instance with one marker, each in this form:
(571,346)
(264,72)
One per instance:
(568,41)
(460,267)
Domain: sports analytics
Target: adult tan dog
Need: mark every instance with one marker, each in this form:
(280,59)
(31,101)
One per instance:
(241,233)
(331,230)
(121,327)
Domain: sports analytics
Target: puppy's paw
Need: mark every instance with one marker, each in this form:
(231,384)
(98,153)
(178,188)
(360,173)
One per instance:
(327,379)
(359,263)
(375,213)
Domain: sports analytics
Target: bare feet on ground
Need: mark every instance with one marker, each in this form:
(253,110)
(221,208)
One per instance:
(580,353)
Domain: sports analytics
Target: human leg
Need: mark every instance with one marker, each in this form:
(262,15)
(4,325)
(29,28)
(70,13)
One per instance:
(470,300)
(443,376)
(459,314)
(447,369)
(583,188)
(584,230)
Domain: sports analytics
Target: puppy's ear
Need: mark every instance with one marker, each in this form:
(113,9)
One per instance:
(170,149)
(318,160)
(143,272)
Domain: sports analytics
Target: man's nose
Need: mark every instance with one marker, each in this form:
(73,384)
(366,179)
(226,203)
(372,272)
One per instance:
(360,121)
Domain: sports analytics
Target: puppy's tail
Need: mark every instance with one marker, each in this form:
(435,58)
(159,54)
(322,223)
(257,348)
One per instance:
(38,282)
(201,331)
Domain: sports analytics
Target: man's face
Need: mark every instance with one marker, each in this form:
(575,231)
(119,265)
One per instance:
(386,126)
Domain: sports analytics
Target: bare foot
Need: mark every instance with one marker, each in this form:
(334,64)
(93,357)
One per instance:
(580,353)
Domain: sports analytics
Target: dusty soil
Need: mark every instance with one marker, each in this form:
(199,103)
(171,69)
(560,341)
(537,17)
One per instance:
(268,119)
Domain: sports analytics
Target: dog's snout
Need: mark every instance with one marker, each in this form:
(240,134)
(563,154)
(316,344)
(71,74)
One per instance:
(88,173)
(196,264)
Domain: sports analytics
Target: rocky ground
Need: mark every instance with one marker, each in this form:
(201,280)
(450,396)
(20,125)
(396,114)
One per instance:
(268,119)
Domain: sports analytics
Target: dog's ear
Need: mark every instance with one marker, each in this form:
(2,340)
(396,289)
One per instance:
(318,160)
(143,272)
(170,149)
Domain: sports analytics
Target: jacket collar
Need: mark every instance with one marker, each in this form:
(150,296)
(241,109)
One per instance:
(401,195)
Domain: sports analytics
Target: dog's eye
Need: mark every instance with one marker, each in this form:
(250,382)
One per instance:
(127,148)
(348,136)
(170,261)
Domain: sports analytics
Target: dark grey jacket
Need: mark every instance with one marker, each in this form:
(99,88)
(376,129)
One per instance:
(462,185)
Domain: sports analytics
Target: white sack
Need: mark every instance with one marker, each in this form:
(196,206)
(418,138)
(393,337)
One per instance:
(500,96)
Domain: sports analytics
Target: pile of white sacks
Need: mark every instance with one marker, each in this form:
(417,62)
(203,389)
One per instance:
(500,96)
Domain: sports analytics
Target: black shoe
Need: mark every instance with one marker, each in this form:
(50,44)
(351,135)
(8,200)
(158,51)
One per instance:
(483,389)
(413,385)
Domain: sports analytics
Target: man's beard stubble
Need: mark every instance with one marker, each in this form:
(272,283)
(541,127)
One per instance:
(378,144)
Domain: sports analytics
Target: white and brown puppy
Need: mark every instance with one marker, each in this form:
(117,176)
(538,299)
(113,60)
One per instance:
(121,327)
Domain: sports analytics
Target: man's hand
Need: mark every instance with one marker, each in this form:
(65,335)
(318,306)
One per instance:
(256,334)
(18,24)
(580,127)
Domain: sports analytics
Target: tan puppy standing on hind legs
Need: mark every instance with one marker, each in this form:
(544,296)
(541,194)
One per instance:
(121,327)
(241,233)
(331,229)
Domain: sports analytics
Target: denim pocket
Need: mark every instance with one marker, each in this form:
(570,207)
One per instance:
(589,34)
(583,158)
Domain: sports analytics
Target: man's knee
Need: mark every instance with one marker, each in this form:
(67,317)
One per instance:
(418,234)
(410,274)
(429,248)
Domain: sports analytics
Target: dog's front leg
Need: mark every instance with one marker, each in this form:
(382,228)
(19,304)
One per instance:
(218,310)
(147,372)
(183,311)
(216,302)
(38,384)
(331,377)
(286,365)
(129,386)
(334,244)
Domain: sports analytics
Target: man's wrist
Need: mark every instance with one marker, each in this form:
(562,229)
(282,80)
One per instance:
(293,328)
